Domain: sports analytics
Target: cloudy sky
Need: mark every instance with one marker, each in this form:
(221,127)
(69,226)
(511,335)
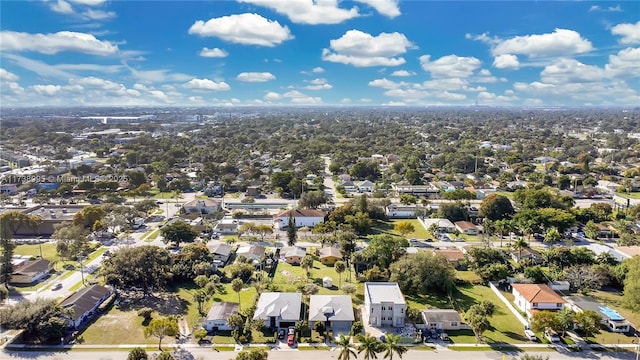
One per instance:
(319,52)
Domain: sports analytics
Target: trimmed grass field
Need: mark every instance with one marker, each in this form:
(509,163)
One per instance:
(48,250)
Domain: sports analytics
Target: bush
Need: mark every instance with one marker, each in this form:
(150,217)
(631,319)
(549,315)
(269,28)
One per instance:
(137,354)
(107,303)
(146,313)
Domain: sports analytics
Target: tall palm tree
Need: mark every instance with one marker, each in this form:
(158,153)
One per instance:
(346,348)
(340,267)
(519,244)
(369,345)
(391,346)
(237,286)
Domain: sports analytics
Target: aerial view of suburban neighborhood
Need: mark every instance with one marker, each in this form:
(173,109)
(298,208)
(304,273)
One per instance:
(319,179)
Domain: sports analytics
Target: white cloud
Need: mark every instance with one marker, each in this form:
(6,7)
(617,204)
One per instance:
(317,70)
(160,95)
(488,98)
(213,53)
(402,73)
(625,64)
(616,8)
(388,8)
(630,33)
(89,2)
(309,11)
(407,94)
(299,98)
(91,14)
(558,43)
(451,96)
(246,29)
(8,76)
(272,96)
(345,101)
(318,84)
(450,66)
(386,84)
(54,43)
(570,71)
(206,84)
(46,90)
(506,61)
(61,7)
(361,49)
(366,100)
(255,77)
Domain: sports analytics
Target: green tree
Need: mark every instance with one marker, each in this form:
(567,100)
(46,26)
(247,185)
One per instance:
(407,199)
(200,334)
(542,320)
(631,295)
(177,232)
(404,228)
(369,345)
(478,319)
(339,267)
(253,354)
(71,239)
(161,328)
(589,322)
(361,222)
(345,348)
(307,265)
(566,320)
(88,216)
(423,273)
(591,230)
(164,356)
(392,346)
(145,266)
(137,353)
(8,247)
(313,199)
(237,286)
(292,230)
(496,207)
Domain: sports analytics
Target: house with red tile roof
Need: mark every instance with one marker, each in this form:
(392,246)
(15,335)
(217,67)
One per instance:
(530,298)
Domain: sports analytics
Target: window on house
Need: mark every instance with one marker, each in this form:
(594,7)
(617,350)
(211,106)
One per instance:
(535,305)
(559,305)
(454,323)
(402,311)
(372,310)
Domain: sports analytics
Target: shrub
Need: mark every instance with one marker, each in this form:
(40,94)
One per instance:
(137,354)
(107,303)
(146,313)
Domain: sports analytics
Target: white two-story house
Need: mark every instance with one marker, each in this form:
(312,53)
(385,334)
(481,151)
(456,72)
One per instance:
(384,304)
(534,297)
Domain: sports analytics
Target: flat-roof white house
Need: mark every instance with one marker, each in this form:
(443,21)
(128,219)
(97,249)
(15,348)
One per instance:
(335,310)
(384,304)
(278,309)
(444,225)
(301,217)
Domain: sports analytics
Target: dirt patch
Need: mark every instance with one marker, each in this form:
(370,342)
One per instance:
(163,303)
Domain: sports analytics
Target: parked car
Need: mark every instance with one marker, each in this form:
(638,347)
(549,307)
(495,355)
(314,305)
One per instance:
(291,338)
(551,335)
(530,335)
(57,286)
(281,334)
(444,337)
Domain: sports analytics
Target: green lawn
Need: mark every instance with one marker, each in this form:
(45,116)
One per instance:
(48,250)
(386,227)
(151,235)
(614,301)
(118,327)
(633,195)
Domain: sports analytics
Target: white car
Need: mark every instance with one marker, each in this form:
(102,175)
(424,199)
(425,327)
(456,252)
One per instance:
(530,335)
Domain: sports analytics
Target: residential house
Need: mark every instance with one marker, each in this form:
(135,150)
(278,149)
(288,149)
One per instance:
(366,186)
(349,186)
(329,255)
(227,226)
(253,252)
(202,206)
(301,217)
(417,190)
(466,228)
(336,311)
(395,211)
(530,298)
(527,255)
(221,252)
(278,309)
(293,255)
(218,315)
(454,256)
(30,272)
(443,225)
(85,303)
(51,215)
(599,249)
(384,304)
(442,319)
(610,318)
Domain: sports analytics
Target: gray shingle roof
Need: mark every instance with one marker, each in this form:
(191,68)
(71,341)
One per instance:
(339,306)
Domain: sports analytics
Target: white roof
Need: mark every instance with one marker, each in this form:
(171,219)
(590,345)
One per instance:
(339,307)
(286,306)
(599,249)
(443,223)
(379,292)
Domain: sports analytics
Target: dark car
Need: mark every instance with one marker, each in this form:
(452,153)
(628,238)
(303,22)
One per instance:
(281,334)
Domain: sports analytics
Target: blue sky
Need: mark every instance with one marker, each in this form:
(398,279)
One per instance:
(319,52)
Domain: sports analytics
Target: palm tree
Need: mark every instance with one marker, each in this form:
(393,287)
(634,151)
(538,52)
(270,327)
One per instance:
(339,267)
(346,348)
(369,345)
(391,346)
(307,265)
(237,286)
(519,244)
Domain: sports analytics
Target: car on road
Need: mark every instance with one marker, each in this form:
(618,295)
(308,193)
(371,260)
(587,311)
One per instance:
(281,334)
(57,286)
(551,335)
(530,335)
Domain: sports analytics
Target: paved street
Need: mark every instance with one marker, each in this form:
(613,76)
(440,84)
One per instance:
(206,353)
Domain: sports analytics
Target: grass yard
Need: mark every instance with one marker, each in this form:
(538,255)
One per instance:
(419,233)
(614,301)
(117,327)
(151,235)
(48,250)
(633,195)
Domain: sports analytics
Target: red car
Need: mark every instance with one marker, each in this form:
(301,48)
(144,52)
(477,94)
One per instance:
(291,338)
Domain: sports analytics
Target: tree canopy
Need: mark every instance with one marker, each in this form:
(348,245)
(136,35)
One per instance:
(146,267)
